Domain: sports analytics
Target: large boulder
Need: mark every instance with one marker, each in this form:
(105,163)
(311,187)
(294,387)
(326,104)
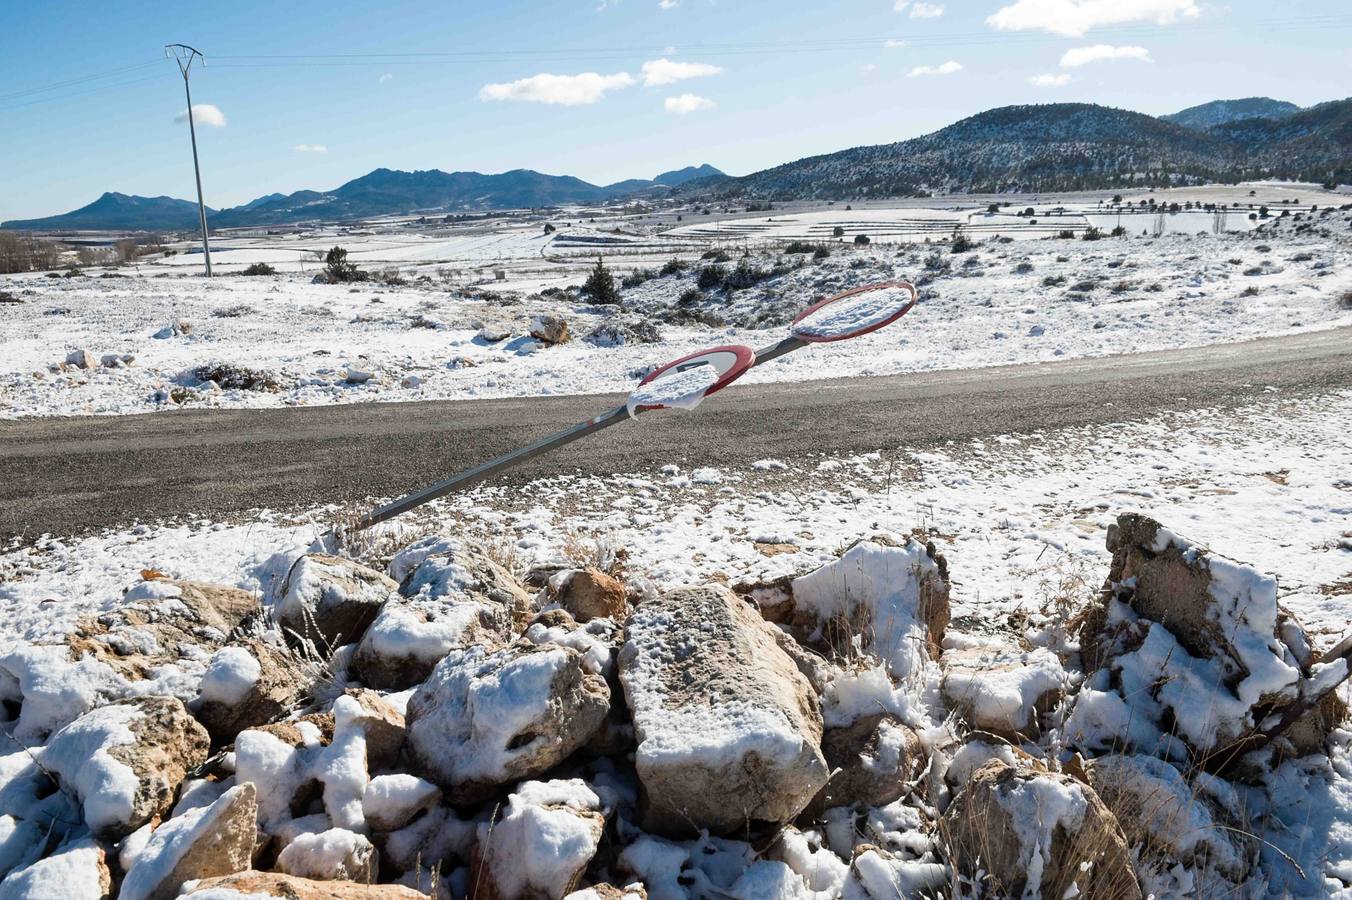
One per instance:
(487,717)
(1191,643)
(889,599)
(1037,834)
(124,761)
(249,683)
(289,887)
(212,840)
(588,594)
(1003,690)
(328,601)
(729,731)
(541,844)
(1199,824)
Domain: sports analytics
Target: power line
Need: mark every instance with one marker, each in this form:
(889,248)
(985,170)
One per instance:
(56,85)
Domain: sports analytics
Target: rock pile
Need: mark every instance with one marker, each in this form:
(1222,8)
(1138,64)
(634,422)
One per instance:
(438,729)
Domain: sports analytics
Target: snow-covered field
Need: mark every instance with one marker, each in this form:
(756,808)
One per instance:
(1001,302)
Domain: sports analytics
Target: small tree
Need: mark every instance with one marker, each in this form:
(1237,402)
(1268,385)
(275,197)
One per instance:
(993,208)
(549,229)
(127,250)
(838,231)
(861,239)
(600,285)
(338,268)
(260,268)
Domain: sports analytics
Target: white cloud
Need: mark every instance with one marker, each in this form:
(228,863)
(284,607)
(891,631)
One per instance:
(901,5)
(384,78)
(921,10)
(203,114)
(1049,80)
(687,103)
(564,90)
(893,44)
(1073,18)
(664,71)
(668,4)
(1083,56)
(947,68)
(311,148)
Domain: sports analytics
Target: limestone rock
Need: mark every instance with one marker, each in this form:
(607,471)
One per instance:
(1002,690)
(75,871)
(82,359)
(383,726)
(289,887)
(202,843)
(485,717)
(330,601)
(606,891)
(589,594)
(871,762)
(249,683)
(1038,834)
(333,855)
(392,801)
(729,731)
(549,330)
(125,761)
(564,816)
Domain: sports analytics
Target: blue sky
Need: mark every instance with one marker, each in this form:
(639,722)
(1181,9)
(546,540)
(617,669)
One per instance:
(88,104)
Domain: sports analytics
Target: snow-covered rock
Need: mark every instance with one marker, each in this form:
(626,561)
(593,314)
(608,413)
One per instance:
(74,871)
(382,725)
(391,801)
(452,597)
(328,600)
(893,598)
(333,855)
(588,594)
(253,885)
(486,717)
(871,761)
(82,359)
(212,840)
(729,731)
(125,761)
(549,330)
(249,683)
(1002,690)
(542,842)
(1037,834)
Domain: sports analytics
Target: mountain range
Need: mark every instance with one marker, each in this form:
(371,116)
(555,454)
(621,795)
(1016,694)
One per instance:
(382,192)
(1057,146)
(1069,146)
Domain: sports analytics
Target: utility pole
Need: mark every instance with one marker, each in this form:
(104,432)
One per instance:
(184,56)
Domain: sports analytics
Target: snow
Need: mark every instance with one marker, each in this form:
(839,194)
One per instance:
(78,754)
(54,690)
(1004,687)
(329,856)
(276,769)
(540,843)
(850,315)
(230,676)
(341,766)
(71,872)
(396,798)
(1036,808)
(675,389)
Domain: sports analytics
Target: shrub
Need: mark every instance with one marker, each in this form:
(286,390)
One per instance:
(672,266)
(1092,234)
(744,276)
(392,277)
(338,269)
(1119,231)
(233,312)
(710,277)
(838,231)
(993,208)
(961,244)
(259,268)
(1023,268)
(637,277)
(1345,300)
(718,256)
(1065,235)
(690,297)
(600,284)
(862,240)
(820,253)
(800,247)
(232,377)
(549,229)
(1053,281)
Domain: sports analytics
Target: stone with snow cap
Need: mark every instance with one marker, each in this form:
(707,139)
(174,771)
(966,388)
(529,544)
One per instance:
(252,885)
(217,839)
(1037,834)
(487,717)
(871,762)
(541,843)
(549,329)
(588,594)
(329,601)
(1002,690)
(77,870)
(333,855)
(249,683)
(452,596)
(124,761)
(729,731)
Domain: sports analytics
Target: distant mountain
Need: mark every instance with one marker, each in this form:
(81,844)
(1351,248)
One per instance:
(266,198)
(1221,112)
(689,173)
(1063,146)
(117,212)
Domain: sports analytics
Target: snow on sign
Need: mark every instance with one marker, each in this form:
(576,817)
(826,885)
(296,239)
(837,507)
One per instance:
(855,312)
(684,383)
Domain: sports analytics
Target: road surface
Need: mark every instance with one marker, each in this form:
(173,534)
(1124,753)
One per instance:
(73,475)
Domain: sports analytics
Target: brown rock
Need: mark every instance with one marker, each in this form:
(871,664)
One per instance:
(290,887)
(590,594)
(1002,690)
(201,843)
(871,762)
(729,730)
(329,601)
(384,728)
(549,330)
(281,684)
(1012,823)
(604,891)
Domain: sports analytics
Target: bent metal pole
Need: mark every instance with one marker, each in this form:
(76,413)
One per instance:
(731,363)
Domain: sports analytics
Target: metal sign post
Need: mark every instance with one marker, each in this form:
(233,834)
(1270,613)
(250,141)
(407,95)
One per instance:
(851,314)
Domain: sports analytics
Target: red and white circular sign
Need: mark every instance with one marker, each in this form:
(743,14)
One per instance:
(855,312)
(680,382)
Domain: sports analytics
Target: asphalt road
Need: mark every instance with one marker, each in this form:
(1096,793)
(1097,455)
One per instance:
(73,475)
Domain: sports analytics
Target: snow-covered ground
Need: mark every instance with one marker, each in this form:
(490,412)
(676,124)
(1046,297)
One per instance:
(1002,302)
